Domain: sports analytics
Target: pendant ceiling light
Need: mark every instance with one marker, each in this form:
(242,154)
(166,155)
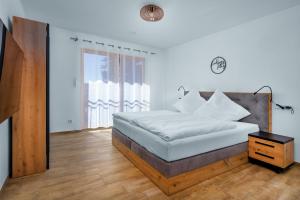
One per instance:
(152,13)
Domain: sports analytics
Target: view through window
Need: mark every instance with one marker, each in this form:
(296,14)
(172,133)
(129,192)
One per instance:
(111,83)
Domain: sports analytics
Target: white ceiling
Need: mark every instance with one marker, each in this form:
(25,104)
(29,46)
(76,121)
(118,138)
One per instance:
(184,20)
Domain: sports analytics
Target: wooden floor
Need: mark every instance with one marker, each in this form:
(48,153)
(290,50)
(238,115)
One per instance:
(86,166)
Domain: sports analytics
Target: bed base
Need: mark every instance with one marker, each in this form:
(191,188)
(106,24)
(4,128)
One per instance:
(185,180)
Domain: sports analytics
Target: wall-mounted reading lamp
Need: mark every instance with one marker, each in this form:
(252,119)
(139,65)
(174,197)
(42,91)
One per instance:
(185,92)
(271,100)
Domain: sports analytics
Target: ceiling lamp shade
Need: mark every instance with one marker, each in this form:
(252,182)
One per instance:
(152,13)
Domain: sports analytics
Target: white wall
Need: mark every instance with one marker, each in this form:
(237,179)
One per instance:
(65,68)
(8,8)
(261,52)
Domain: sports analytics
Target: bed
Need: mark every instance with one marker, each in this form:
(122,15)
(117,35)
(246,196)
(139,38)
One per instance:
(174,165)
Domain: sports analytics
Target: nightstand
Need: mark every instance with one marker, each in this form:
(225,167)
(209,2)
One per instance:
(276,150)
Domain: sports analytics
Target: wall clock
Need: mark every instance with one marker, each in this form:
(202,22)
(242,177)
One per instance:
(218,65)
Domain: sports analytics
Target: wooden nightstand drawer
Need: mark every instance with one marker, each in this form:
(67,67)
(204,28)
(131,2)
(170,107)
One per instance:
(265,147)
(266,151)
(278,153)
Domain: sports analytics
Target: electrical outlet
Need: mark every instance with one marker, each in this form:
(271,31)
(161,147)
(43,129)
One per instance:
(69,121)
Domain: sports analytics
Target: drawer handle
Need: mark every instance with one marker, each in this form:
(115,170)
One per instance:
(261,154)
(272,146)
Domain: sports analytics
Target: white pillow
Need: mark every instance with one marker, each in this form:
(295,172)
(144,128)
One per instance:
(219,106)
(189,103)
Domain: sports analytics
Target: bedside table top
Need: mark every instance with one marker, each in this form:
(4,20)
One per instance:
(272,137)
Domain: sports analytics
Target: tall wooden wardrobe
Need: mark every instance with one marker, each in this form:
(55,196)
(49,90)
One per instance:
(30,127)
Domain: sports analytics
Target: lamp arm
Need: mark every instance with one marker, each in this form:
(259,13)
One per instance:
(266,86)
(283,107)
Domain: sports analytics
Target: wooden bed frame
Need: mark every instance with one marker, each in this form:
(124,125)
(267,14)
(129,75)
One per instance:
(185,180)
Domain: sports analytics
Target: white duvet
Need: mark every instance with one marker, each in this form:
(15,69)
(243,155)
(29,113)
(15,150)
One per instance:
(130,116)
(172,125)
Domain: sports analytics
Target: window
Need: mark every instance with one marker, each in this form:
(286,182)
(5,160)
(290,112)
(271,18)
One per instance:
(111,83)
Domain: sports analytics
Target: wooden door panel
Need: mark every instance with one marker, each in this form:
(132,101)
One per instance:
(29,123)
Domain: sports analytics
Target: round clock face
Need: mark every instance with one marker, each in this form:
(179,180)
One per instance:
(218,65)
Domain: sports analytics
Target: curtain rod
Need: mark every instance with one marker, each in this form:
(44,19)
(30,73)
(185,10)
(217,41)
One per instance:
(76,39)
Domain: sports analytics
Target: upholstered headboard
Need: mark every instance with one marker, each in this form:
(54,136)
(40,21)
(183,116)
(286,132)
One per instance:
(258,105)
